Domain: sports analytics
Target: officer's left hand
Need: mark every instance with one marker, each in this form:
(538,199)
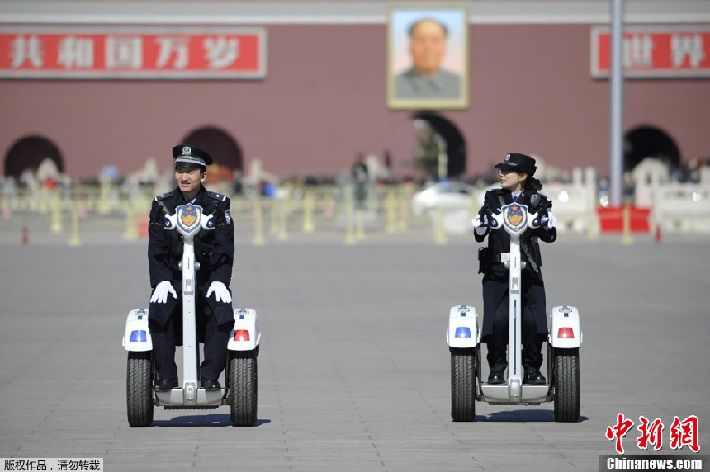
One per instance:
(548,220)
(220,292)
(551,220)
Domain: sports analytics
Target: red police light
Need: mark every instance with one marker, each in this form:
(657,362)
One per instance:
(565,333)
(241,335)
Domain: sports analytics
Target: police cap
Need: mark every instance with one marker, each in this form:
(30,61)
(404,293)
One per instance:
(518,162)
(189,156)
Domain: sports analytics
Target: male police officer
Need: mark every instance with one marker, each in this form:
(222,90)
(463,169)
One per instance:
(214,250)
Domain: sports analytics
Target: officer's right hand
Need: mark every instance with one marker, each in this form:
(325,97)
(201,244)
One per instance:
(160,294)
(488,220)
(479,226)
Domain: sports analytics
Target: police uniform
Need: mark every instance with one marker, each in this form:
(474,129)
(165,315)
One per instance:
(495,276)
(214,251)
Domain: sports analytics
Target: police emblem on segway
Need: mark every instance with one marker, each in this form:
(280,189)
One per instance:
(188,217)
(515,217)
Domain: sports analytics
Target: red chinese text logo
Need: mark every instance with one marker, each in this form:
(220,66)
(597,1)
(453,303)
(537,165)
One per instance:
(682,433)
(618,431)
(685,433)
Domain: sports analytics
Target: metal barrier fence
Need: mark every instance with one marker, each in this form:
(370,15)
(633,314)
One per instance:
(298,210)
(333,211)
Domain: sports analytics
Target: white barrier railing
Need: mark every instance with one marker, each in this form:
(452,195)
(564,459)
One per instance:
(682,208)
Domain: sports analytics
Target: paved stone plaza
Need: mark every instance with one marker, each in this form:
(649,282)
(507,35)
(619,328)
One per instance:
(354,369)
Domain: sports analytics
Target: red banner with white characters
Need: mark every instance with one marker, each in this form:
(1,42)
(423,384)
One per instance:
(655,52)
(133,53)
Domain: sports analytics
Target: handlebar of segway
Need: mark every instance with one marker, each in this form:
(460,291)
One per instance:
(205,221)
(495,220)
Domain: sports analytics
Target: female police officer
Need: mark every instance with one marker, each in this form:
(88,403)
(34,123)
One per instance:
(518,184)
(214,250)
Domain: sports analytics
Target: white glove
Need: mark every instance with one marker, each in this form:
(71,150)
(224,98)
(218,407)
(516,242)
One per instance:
(551,220)
(220,292)
(477,228)
(160,294)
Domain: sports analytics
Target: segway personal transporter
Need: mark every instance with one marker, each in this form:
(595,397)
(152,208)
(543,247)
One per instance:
(563,342)
(240,391)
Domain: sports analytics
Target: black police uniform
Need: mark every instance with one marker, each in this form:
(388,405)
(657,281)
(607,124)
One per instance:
(214,250)
(495,282)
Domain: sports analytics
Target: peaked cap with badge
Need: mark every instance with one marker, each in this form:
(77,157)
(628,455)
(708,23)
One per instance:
(518,162)
(187,155)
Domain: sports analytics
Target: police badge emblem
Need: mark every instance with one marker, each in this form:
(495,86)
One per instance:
(189,215)
(515,217)
(186,150)
(188,218)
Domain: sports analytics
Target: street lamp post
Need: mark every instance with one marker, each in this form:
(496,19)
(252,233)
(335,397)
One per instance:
(616,105)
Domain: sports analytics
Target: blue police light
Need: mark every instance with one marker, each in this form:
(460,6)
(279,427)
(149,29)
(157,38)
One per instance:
(463,332)
(138,336)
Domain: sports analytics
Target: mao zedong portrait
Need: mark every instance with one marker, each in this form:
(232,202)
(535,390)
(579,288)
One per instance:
(426,78)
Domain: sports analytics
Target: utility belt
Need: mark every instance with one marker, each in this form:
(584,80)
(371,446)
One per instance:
(503,257)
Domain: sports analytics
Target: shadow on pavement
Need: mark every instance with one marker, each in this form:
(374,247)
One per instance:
(522,416)
(216,420)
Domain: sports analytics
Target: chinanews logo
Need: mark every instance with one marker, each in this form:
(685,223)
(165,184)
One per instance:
(652,436)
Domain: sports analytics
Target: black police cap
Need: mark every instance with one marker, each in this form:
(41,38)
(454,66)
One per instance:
(518,162)
(191,156)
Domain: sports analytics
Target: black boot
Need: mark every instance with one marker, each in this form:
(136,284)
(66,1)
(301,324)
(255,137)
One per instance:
(534,377)
(496,377)
(165,385)
(209,384)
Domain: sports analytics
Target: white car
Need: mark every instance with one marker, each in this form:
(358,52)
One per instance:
(444,195)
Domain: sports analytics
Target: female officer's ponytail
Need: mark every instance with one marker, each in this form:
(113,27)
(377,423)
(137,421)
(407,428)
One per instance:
(532,184)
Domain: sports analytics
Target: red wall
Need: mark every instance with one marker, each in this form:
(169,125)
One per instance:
(324,99)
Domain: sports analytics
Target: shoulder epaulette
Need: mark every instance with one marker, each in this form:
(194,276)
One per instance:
(544,197)
(217,196)
(163,196)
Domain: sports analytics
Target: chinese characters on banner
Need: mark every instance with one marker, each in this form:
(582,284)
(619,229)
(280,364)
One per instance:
(681,433)
(133,53)
(653,52)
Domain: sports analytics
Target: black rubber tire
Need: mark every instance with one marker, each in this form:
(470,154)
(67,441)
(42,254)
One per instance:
(566,380)
(139,389)
(463,385)
(244,388)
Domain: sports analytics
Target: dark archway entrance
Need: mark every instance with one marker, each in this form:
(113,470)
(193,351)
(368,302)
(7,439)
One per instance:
(29,152)
(648,141)
(455,142)
(219,144)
